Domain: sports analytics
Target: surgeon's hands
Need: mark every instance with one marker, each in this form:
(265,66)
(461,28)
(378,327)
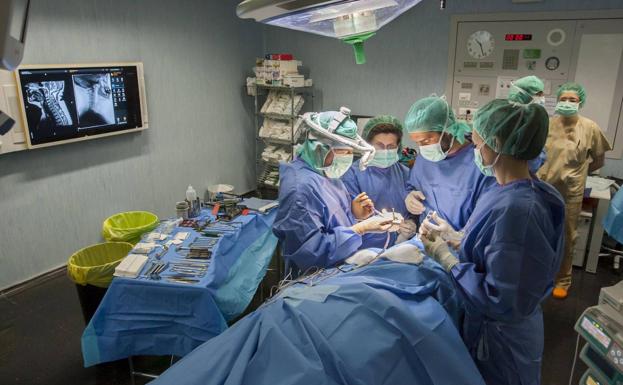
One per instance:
(375,224)
(437,248)
(396,218)
(435,223)
(414,204)
(362,206)
(408,228)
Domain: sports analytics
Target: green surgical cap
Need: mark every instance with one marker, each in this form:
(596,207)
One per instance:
(313,152)
(386,120)
(348,128)
(315,149)
(525,88)
(513,129)
(432,114)
(573,87)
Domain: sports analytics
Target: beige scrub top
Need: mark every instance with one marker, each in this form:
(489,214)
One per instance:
(570,150)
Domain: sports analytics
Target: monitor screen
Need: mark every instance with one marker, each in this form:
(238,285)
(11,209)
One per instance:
(67,103)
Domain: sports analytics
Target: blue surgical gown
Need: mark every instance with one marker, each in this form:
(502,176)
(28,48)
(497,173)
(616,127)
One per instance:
(508,261)
(387,187)
(314,218)
(451,186)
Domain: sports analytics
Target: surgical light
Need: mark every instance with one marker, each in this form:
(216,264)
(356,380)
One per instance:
(353,22)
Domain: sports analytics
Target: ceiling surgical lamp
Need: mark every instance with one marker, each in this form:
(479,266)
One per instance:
(353,22)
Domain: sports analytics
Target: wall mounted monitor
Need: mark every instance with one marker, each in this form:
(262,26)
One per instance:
(65,103)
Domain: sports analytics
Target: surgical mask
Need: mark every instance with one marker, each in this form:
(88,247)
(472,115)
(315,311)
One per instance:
(540,100)
(567,108)
(384,158)
(434,152)
(341,164)
(485,170)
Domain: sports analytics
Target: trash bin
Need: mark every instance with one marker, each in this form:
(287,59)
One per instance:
(129,226)
(92,270)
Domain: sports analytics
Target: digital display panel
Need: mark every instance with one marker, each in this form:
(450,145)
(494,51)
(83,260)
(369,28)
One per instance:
(517,37)
(69,103)
(591,328)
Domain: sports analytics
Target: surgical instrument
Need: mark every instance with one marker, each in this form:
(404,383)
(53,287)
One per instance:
(156,269)
(188,281)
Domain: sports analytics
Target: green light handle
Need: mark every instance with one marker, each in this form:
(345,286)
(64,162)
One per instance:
(360,55)
(357,43)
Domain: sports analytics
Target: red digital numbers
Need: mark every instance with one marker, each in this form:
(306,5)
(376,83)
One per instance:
(517,37)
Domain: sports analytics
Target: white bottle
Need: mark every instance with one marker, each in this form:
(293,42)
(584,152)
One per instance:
(191,194)
(193,202)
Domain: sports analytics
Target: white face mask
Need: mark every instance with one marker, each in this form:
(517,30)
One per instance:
(567,108)
(341,163)
(540,100)
(384,158)
(434,152)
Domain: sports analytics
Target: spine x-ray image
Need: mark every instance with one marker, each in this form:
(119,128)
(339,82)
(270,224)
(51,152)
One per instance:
(49,98)
(94,102)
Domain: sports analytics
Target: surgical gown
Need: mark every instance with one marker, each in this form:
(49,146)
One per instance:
(451,186)
(387,187)
(508,261)
(314,218)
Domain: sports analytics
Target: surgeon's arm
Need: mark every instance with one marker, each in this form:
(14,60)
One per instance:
(492,289)
(599,146)
(308,241)
(506,243)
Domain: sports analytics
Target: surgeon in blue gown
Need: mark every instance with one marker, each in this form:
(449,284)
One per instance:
(385,179)
(317,222)
(444,178)
(511,248)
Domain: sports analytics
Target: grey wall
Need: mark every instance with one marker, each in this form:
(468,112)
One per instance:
(406,60)
(196,54)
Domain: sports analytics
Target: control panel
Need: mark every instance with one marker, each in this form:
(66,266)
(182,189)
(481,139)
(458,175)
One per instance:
(490,55)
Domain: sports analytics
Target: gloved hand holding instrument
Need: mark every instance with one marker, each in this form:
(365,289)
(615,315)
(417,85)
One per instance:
(375,224)
(408,228)
(437,248)
(362,206)
(433,222)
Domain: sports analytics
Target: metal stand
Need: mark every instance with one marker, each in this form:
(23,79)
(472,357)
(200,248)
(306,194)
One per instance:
(263,165)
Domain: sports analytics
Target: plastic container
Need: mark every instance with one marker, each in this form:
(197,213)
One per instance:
(181,210)
(91,269)
(128,226)
(219,188)
(194,205)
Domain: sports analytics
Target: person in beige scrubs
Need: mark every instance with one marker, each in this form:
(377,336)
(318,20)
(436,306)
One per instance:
(575,147)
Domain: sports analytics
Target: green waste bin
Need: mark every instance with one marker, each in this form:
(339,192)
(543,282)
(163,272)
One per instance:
(129,226)
(92,270)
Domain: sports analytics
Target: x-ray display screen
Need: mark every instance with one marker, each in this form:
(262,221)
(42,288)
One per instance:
(68,103)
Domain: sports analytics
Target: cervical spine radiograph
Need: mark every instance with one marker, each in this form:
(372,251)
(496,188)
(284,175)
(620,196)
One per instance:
(94,99)
(48,97)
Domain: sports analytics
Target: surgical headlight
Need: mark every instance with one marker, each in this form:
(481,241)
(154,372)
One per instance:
(329,135)
(351,21)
